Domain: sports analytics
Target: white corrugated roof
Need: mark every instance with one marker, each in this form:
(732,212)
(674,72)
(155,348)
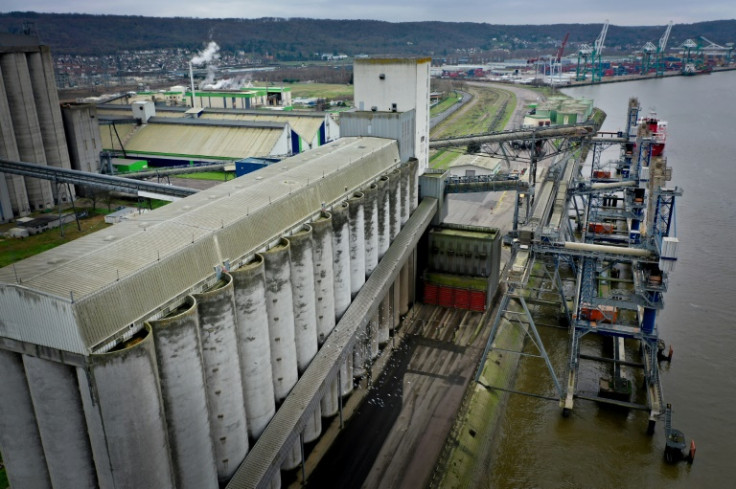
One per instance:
(195,140)
(120,275)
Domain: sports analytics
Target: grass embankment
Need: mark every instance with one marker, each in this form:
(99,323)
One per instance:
(445,104)
(480,114)
(489,110)
(321,90)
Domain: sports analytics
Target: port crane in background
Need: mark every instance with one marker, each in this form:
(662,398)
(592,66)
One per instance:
(690,55)
(646,57)
(661,48)
(713,49)
(596,58)
(556,64)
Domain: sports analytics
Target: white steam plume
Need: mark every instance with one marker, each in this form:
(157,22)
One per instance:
(209,54)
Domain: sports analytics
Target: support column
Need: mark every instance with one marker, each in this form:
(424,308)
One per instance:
(361,354)
(373,326)
(394,193)
(384,220)
(181,370)
(341,253)
(405,196)
(357,243)
(254,345)
(371,229)
(396,303)
(384,325)
(414,183)
(126,396)
(404,276)
(20,440)
(346,376)
(216,309)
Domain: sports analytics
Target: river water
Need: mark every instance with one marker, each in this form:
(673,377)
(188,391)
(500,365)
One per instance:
(598,448)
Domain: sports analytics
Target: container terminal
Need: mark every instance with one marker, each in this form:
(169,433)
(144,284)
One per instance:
(222,330)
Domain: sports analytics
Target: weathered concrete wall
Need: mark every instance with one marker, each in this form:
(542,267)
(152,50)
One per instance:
(61,424)
(19,437)
(279,304)
(254,345)
(357,242)
(303,297)
(394,193)
(371,229)
(181,367)
(216,309)
(324,287)
(384,220)
(341,263)
(124,384)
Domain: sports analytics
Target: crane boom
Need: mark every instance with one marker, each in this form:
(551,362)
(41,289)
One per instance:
(562,48)
(665,37)
(599,43)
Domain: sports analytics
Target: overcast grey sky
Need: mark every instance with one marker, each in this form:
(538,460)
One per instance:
(619,12)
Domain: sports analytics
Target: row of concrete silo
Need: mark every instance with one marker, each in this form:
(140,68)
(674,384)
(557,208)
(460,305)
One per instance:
(178,403)
(31,127)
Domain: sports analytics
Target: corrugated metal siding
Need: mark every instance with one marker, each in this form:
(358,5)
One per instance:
(121,274)
(35,318)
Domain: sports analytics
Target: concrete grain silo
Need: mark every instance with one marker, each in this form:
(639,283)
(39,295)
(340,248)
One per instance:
(255,349)
(224,386)
(23,454)
(32,128)
(61,424)
(357,242)
(125,416)
(279,304)
(181,368)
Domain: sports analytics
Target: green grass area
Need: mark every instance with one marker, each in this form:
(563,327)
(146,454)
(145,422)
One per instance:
(220,176)
(443,158)
(4,483)
(13,250)
(444,104)
(480,114)
(321,90)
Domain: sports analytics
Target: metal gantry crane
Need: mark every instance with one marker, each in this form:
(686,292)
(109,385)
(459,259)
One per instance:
(595,54)
(617,262)
(582,67)
(646,57)
(688,61)
(597,57)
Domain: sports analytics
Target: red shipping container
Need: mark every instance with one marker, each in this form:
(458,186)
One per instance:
(446,296)
(477,301)
(430,294)
(462,299)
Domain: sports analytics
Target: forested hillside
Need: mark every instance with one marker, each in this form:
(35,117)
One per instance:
(299,39)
